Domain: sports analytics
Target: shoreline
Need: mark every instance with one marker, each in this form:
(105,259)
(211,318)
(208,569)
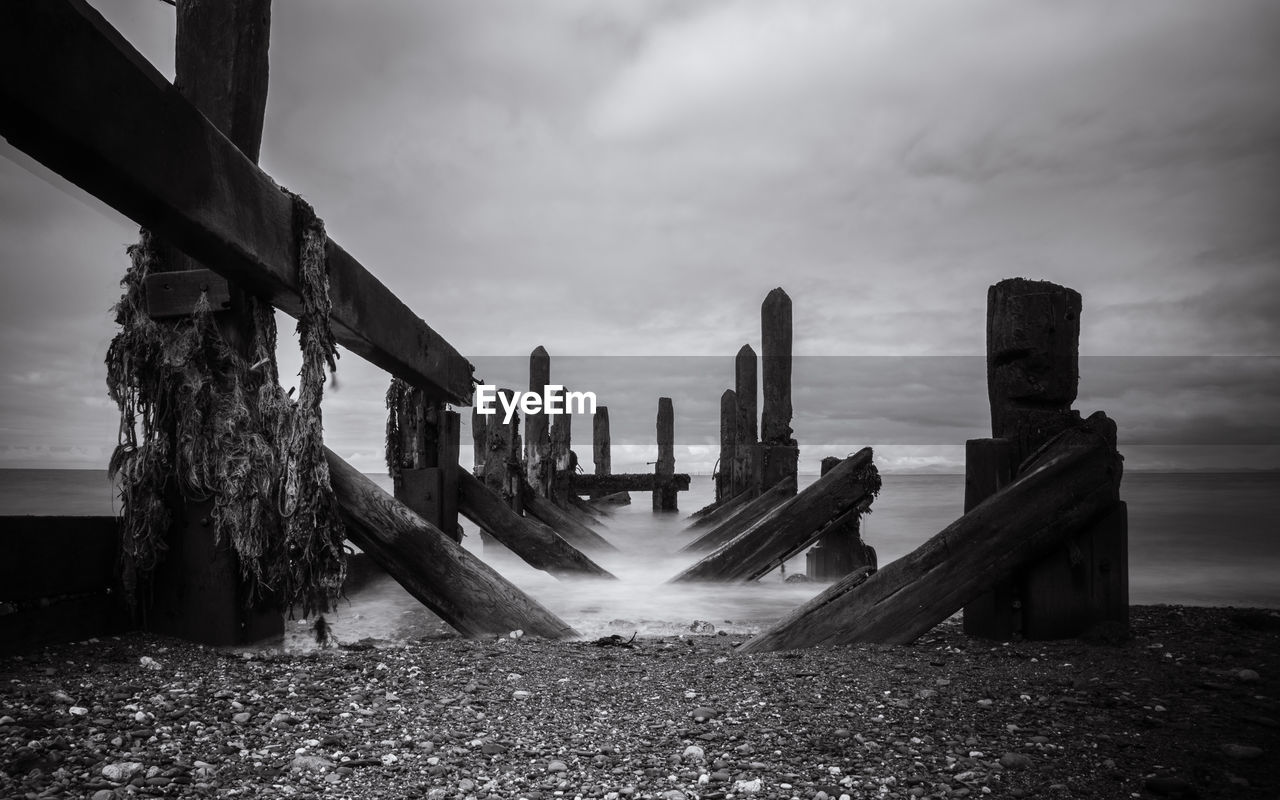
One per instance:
(1186,708)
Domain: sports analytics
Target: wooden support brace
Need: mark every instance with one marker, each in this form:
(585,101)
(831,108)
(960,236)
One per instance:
(1070,485)
(793,525)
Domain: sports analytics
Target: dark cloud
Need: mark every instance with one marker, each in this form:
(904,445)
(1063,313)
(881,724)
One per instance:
(631,178)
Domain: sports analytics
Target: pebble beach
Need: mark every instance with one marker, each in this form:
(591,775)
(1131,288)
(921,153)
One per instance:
(1186,706)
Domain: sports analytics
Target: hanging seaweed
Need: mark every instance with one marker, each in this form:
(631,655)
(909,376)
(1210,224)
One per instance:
(397,394)
(199,420)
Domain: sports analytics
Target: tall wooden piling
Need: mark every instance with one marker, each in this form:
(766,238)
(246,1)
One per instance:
(600,443)
(537,439)
(222,69)
(780,455)
(745,473)
(664,497)
(562,451)
(726,473)
(1033,330)
(502,473)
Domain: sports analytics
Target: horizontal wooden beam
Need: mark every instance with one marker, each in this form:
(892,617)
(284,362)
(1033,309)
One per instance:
(627,482)
(78,98)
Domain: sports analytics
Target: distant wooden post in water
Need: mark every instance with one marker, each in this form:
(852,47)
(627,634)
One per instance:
(780,453)
(537,440)
(501,466)
(726,473)
(561,451)
(746,470)
(840,550)
(1033,332)
(600,444)
(664,496)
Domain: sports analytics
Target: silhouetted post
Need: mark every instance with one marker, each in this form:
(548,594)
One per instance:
(840,550)
(479,422)
(747,457)
(537,440)
(728,445)
(600,444)
(664,496)
(780,454)
(1033,361)
(561,454)
(1033,332)
(221,59)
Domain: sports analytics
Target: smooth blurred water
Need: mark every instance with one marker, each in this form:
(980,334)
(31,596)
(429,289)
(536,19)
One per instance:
(1197,539)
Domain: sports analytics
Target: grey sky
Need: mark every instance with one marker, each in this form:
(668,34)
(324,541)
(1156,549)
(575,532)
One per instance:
(631,178)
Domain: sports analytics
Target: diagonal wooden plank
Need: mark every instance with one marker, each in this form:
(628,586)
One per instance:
(76,96)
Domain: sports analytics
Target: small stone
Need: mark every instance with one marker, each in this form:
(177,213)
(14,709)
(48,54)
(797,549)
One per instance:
(702,626)
(557,766)
(310,764)
(147,662)
(466,785)
(492,748)
(747,787)
(521,694)
(242,718)
(6,720)
(122,771)
(702,714)
(77,711)
(693,755)
(1248,676)
(1242,751)
(986,702)
(1015,761)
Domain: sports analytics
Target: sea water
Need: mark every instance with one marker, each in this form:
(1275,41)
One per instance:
(1194,538)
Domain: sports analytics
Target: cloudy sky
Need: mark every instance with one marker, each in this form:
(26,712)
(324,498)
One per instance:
(623,182)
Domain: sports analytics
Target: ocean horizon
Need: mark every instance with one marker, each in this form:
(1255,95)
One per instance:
(1203,538)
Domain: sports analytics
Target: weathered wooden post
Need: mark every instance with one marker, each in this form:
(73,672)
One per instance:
(221,68)
(562,451)
(537,442)
(1033,331)
(780,455)
(501,463)
(728,446)
(479,442)
(665,494)
(840,550)
(426,478)
(600,444)
(747,455)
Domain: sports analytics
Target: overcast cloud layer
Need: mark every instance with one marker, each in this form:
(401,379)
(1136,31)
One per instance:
(631,179)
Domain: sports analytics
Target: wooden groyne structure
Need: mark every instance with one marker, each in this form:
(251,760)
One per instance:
(180,160)
(1040,550)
